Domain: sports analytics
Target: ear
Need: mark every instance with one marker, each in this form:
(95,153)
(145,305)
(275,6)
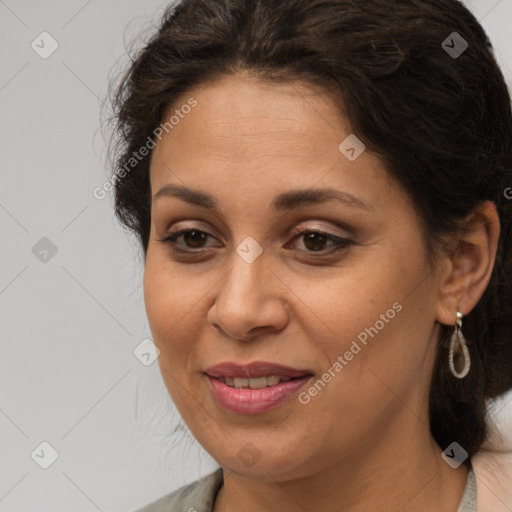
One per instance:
(465,272)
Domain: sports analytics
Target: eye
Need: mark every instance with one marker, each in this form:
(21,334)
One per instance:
(316,241)
(192,238)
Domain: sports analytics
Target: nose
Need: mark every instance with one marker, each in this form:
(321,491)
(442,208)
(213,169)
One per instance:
(250,301)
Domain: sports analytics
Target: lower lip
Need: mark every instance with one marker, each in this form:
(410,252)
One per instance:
(254,401)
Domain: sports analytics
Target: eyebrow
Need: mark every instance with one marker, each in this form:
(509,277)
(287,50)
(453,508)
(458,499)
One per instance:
(284,201)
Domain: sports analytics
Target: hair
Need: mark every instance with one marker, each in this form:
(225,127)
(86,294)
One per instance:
(441,125)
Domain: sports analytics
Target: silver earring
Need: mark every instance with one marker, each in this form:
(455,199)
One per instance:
(458,336)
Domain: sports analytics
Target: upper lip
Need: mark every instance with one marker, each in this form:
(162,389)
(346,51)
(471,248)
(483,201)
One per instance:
(254,370)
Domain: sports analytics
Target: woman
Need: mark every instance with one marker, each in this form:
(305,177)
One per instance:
(320,192)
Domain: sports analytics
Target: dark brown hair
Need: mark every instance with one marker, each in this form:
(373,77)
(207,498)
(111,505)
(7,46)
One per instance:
(441,124)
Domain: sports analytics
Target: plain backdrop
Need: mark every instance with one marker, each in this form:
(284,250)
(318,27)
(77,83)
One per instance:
(72,310)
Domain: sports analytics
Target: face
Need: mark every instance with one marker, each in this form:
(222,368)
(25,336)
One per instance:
(333,284)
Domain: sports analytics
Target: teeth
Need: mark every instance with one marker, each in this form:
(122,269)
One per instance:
(240,382)
(273,380)
(254,383)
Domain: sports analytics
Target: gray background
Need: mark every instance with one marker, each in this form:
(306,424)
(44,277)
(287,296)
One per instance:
(71,320)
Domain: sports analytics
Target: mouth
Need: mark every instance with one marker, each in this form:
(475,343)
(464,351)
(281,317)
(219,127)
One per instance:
(255,370)
(256,387)
(253,383)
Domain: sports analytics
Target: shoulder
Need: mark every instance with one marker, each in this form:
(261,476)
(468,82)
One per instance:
(197,496)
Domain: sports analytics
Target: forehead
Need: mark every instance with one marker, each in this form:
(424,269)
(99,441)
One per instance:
(245,123)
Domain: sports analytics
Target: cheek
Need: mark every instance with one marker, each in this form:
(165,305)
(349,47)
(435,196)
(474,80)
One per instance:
(364,330)
(352,299)
(176,309)
(373,315)
(173,301)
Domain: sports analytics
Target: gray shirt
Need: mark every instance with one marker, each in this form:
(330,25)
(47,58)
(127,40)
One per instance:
(199,496)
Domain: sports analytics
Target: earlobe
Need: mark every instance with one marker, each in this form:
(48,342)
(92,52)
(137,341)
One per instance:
(468,268)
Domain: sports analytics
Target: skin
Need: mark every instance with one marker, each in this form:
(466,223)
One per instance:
(363,442)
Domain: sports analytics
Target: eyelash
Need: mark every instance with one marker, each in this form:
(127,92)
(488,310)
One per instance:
(339,242)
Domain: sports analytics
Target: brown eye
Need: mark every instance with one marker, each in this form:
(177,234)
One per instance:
(195,241)
(194,238)
(315,241)
(319,242)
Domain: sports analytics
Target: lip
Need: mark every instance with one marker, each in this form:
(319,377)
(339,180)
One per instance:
(255,401)
(254,370)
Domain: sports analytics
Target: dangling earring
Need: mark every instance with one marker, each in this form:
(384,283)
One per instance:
(458,336)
